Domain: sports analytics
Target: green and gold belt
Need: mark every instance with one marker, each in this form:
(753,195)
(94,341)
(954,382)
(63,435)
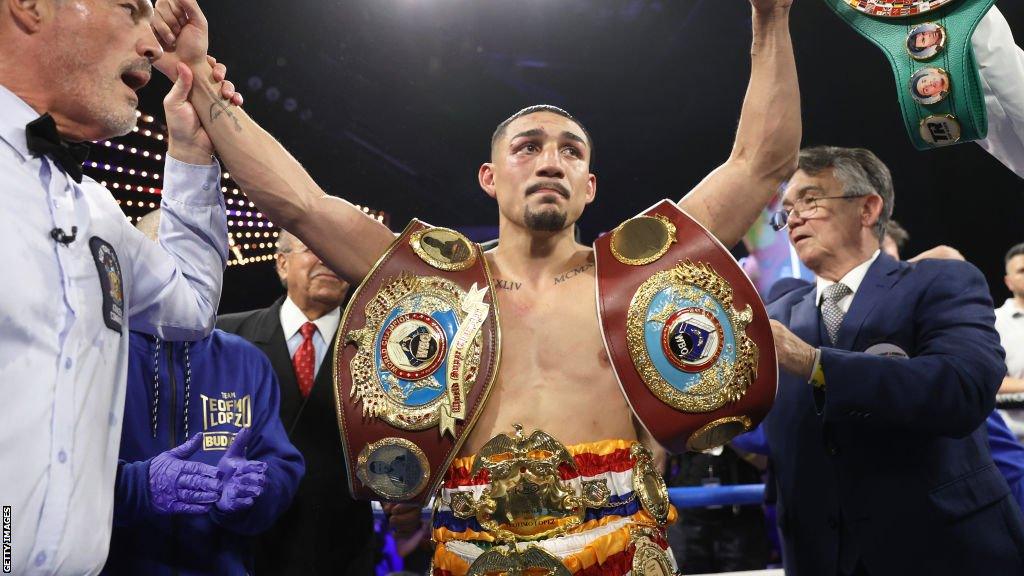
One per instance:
(928,44)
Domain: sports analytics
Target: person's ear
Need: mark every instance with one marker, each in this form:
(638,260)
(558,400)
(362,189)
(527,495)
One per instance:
(486,177)
(28,14)
(591,188)
(872,210)
(281,266)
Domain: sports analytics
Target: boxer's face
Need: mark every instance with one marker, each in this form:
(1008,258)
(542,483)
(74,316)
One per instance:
(540,172)
(97,54)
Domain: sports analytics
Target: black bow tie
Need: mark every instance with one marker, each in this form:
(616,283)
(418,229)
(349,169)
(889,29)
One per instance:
(43,140)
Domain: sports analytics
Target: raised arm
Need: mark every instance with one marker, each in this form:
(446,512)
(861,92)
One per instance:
(729,199)
(345,238)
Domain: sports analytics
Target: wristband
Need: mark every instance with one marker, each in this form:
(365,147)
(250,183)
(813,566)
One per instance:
(817,374)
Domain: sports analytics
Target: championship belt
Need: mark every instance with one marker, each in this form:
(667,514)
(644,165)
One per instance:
(685,330)
(526,500)
(928,44)
(416,355)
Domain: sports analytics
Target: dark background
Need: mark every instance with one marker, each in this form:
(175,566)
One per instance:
(391,103)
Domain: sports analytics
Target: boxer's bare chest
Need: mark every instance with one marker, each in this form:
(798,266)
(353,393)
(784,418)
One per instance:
(554,373)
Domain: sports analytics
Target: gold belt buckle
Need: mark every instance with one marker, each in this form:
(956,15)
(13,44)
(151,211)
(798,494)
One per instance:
(527,500)
(515,562)
(648,485)
(649,559)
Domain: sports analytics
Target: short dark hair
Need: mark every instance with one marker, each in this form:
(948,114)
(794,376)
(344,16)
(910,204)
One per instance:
(859,171)
(912,42)
(1015,251)
(500,130)
(898,233)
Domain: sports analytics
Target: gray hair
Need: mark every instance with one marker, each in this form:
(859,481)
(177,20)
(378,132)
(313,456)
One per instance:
(285,241)
(285,244)
(860,173)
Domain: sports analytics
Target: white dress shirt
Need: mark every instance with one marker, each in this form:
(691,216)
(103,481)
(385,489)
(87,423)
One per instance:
(64,346)
(292,319)
(852,279)
(1001,64)
(1010,325)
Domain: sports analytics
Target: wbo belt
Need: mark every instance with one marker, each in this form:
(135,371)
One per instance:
(686,332)
(521,494)
(928,45)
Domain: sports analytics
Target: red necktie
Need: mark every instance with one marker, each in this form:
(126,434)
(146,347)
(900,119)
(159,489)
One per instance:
(304,359)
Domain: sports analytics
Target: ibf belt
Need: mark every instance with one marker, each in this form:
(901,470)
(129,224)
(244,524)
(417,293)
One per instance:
(417,354)
(685,330)
(928,45)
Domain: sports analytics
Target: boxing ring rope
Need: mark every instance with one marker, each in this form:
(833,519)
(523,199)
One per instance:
(777,572)
(705,496)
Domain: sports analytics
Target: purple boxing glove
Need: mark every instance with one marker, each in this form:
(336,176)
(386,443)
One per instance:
(178,486)
(241,480)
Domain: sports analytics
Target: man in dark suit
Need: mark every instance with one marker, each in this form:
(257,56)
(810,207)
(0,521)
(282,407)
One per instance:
(324,531)
(889,370)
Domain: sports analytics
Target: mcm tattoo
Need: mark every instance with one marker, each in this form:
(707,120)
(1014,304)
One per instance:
(574,272)
(512,285)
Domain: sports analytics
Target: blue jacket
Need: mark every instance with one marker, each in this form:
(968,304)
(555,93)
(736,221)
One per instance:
(890,465)
(1008,454)
(222,384)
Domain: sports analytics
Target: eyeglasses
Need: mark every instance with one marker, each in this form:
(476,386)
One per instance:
(804,207)
(295,250)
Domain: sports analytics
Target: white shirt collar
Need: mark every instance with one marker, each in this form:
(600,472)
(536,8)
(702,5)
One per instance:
(292,319)
(852,279)
(1010,308)
(17,113)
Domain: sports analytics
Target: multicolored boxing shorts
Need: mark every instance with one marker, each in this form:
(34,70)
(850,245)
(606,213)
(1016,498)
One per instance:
(530,504)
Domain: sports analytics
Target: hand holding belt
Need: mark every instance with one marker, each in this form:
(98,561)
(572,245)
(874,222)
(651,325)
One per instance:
(928,44)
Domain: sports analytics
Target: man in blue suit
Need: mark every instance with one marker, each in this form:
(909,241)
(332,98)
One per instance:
(888,371)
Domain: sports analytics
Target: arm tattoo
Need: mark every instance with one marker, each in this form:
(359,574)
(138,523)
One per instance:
(220,108)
